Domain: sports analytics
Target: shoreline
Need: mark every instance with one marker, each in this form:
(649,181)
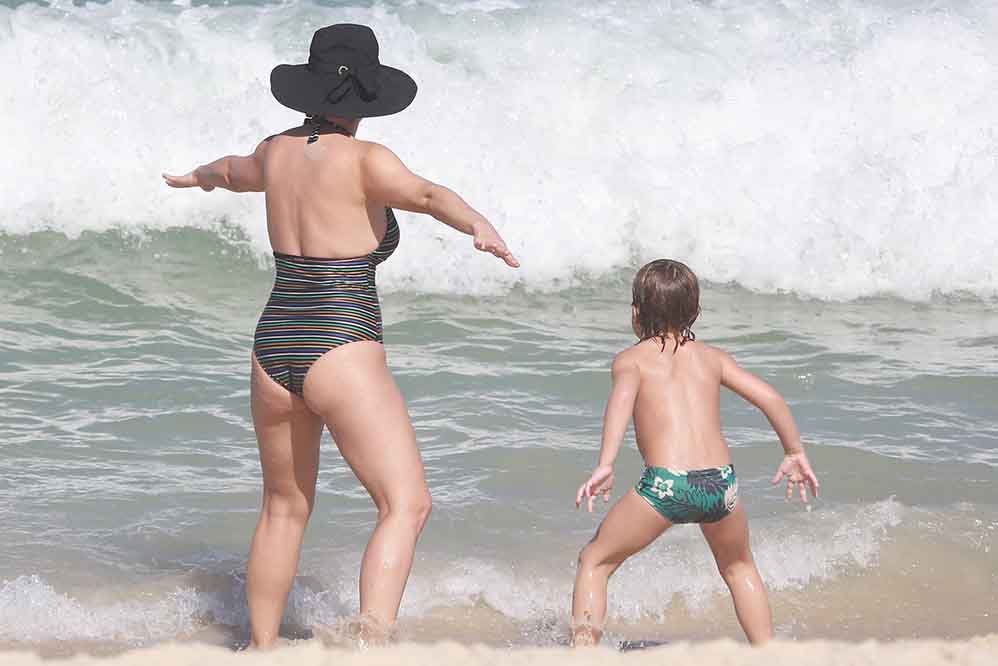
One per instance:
(976,651)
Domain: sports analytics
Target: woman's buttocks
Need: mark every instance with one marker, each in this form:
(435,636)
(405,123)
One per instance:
(317,304)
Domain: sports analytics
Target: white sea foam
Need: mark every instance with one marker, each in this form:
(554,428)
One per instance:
(835,149)
(792,553)
(32,610)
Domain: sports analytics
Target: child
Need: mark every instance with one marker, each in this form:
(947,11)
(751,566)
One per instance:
(672,384)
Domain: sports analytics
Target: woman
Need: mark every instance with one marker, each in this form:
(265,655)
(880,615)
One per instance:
(317,354)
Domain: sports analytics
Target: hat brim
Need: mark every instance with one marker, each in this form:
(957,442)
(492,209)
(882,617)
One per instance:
(298,88)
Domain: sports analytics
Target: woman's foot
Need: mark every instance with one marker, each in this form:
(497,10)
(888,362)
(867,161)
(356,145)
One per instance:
(361,631)
(586,636)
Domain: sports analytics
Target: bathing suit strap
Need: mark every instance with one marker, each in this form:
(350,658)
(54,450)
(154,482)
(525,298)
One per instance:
(318,121)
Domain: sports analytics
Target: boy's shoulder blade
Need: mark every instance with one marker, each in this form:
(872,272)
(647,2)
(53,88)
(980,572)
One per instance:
(714,351)
(718,357)
(626,358)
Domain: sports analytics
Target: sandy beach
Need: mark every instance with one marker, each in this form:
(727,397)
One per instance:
(978,651)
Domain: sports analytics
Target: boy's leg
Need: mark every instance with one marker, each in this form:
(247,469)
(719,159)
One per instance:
(629,526)
(729,541)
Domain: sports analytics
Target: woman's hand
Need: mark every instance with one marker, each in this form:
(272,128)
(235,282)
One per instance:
(187,180)
(600,483)
(487,239)
(797,471)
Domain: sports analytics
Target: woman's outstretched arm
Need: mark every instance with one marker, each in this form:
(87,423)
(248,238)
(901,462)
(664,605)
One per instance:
(238,173)
(387,179)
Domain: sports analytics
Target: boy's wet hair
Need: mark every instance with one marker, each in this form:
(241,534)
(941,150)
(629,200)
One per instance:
(666,294)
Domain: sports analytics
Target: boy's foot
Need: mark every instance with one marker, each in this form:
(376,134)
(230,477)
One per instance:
(627,646)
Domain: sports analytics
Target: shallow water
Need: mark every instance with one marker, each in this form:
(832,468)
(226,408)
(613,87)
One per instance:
(130,480)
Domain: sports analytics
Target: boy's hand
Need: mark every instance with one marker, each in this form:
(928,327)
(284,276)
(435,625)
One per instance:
(600,483)
(797,470)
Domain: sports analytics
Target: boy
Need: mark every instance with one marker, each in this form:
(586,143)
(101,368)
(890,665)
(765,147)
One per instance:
(671,384)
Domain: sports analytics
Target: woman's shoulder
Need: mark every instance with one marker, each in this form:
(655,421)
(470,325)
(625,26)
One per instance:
(378,160)
(296,131)
(375,150)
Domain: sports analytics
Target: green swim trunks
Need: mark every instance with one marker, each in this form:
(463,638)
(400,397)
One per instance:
(696,496)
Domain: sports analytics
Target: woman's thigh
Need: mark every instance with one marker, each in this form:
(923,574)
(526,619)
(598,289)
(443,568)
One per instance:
(353,391)
(288,435)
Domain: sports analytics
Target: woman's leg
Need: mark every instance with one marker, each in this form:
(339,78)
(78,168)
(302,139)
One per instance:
(729,541)
(355,394)
(629,526)
(288,437)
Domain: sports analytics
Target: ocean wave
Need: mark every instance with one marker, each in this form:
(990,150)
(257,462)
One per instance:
(837,149)
(794,554)
(32,610)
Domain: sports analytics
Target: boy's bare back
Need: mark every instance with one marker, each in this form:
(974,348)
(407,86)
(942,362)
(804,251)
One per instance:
(677,417)
(677,412)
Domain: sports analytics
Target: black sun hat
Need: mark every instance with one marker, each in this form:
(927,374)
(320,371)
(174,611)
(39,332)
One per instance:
(343,77)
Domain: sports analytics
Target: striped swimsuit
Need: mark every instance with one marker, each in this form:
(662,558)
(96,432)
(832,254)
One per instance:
(318,305)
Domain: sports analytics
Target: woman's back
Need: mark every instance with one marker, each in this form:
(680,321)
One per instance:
(316,204)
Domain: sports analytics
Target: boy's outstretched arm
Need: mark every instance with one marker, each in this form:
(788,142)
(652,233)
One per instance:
(619,408)
(795,466)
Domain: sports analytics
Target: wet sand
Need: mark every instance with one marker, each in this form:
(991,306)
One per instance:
(978,651)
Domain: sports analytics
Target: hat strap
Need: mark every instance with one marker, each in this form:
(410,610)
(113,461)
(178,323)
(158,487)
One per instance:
(317,121)
(357,72)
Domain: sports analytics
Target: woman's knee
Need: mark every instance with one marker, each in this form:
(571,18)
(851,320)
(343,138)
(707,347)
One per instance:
(413,508)
(281,504)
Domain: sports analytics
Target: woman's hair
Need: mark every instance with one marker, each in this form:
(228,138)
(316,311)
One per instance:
(666,295)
